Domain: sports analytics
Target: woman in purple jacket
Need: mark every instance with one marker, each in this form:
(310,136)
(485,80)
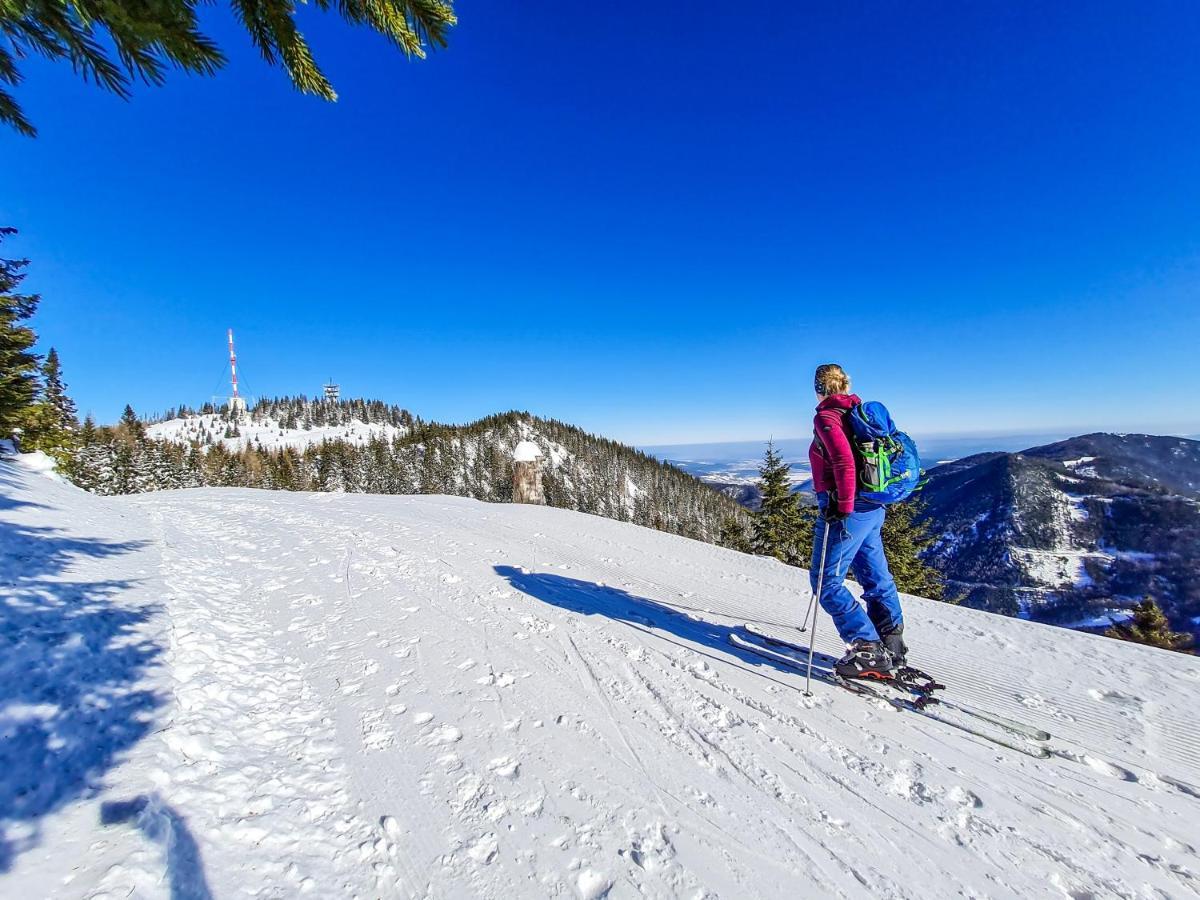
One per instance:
(847,537)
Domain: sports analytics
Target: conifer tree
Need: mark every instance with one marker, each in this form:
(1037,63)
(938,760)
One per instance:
(779,528)
(131,426)
(733,535)
(52,422)
(905,539)
(54,393)
(88,433)
(1149,626)
(18,364)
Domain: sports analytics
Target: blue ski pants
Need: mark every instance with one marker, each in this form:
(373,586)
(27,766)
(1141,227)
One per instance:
(855,544)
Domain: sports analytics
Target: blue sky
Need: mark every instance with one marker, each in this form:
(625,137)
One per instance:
(649,220)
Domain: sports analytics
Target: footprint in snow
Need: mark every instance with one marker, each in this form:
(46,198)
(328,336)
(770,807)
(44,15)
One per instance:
(501,680)
(375,734)
(504,767)
(1097,765)
(484,850)
(446,734)
(593,885)
(391,828)
(1116,698)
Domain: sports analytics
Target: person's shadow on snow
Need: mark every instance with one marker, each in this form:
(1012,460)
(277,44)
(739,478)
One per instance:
(590,598)
(166,828)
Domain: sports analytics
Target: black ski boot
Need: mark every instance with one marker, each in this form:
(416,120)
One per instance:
(866,659)
(894,642)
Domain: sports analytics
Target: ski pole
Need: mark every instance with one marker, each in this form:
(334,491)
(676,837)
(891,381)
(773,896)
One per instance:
(812,638)
(808,612)
(812,598)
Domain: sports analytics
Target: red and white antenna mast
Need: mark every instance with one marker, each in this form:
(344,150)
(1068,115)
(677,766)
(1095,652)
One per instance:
(236,403)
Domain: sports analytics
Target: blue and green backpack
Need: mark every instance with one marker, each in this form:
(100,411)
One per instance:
(889,467)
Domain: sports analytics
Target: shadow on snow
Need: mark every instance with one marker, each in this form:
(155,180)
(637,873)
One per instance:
(163,826)
(7,502)
(72,664)
(590,598)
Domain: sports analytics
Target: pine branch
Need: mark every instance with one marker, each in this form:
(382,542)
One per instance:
(148,36)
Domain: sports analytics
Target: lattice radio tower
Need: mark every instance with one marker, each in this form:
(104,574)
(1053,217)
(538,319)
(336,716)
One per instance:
(237,405)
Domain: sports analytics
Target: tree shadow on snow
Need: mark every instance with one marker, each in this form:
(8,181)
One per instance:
(71,666)
(590,598)
(166,828)
(7,502)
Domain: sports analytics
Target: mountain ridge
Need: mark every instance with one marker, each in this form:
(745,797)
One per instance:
(360,446)
(1077,529)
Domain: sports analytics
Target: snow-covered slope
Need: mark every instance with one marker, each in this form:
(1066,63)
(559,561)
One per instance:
(237,693)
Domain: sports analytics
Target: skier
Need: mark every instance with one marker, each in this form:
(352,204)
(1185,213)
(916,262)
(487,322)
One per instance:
(847,536)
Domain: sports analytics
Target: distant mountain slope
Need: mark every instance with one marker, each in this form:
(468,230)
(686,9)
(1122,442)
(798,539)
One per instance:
(357,446)
(1072,530)
(1153,462)
(750,495)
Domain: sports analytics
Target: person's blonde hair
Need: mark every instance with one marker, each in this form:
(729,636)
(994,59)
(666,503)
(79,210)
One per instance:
(831,379)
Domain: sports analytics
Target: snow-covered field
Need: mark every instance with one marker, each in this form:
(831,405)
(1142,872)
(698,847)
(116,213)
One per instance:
(233,693)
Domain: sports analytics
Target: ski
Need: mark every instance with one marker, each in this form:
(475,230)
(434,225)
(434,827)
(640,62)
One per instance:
(869,690)
(1016,727)
(926,688)
(1037,751)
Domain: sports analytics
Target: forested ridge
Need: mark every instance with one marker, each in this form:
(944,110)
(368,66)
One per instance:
(384,449)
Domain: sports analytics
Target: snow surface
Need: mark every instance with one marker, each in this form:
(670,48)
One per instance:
(39,462)
(268,433)
(1101,620)
(526,451)
(1077,508)
(237,693)
(1056,568)
(1081,466)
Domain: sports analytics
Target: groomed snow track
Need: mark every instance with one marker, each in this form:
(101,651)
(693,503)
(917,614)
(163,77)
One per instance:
(429,696)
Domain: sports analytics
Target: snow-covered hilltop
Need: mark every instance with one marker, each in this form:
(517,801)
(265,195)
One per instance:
(267,432)
(291,422)
(231,692)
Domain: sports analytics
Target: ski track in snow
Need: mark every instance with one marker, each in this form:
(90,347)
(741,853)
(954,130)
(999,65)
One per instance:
(435,697)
